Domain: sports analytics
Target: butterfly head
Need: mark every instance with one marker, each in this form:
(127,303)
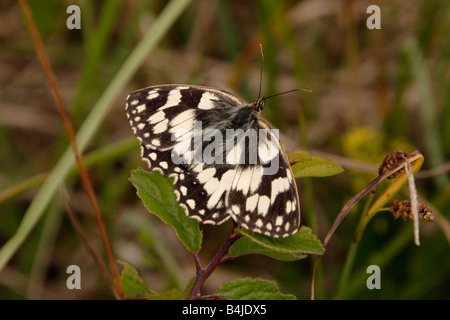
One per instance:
(259,104)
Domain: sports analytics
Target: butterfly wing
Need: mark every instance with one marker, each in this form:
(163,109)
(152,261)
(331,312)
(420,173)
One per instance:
(163,118)
(263,197)
(169,120)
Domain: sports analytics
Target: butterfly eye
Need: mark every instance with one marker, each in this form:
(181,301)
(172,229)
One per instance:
(260,105)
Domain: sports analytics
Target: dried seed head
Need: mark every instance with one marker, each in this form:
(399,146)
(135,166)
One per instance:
(391,160)
(403,209)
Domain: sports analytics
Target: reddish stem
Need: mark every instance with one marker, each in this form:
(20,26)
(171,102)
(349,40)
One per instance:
(203,274)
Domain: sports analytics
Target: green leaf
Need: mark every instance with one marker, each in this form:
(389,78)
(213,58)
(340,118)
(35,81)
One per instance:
(133,285)
(135,288)
(173,294)
(316,167)
(252,289)
(298,156)
(290,248)
(156,192)
(189,286)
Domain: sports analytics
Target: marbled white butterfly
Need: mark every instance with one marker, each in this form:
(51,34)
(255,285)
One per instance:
(221,155)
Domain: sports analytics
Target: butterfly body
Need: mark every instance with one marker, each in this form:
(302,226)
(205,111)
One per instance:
(216,147)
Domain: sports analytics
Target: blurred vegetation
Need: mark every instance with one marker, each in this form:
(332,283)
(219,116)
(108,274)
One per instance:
(374,91)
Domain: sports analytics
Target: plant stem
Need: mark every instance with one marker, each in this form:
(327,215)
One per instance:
(203,274)
(350,260)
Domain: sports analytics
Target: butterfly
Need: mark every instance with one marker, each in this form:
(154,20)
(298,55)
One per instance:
(226,161)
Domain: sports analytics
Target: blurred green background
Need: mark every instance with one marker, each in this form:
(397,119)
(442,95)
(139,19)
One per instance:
(373,92)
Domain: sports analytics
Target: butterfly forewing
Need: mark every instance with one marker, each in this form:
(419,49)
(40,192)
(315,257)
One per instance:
(183,134)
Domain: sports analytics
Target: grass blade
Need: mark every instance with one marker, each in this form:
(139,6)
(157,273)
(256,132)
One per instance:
(90,127)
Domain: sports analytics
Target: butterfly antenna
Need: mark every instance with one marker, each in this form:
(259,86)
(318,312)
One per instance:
(278,94)
(261,72)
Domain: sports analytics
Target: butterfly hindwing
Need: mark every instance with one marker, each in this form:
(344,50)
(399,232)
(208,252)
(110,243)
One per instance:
(263,200)
(168,120)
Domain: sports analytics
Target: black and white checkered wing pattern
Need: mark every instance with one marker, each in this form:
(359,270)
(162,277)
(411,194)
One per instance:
(266,203)
(168,120)
(162,117)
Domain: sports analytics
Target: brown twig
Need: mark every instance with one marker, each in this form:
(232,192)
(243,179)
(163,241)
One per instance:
(51,79)
(85,241)
(353,201)
(203,274)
